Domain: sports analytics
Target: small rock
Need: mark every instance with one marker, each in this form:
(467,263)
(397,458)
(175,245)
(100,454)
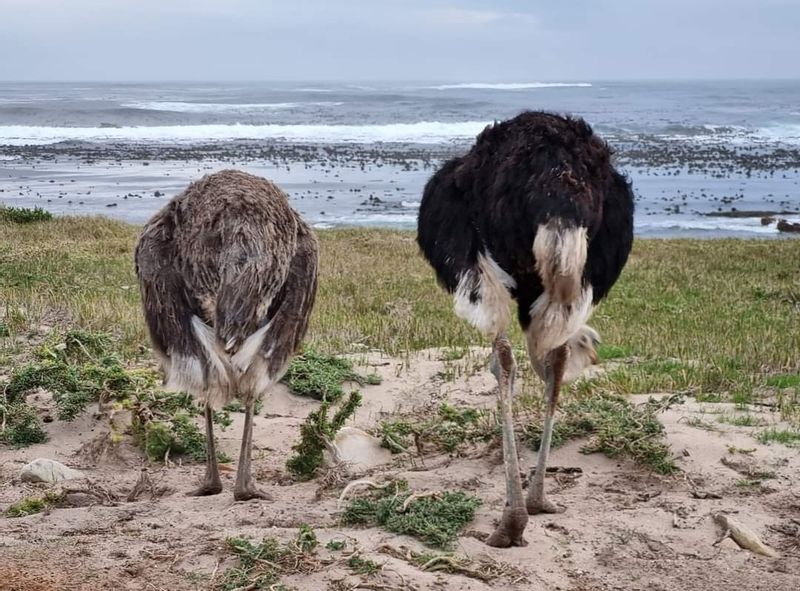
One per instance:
(50,471)
(767,220)
(360,449)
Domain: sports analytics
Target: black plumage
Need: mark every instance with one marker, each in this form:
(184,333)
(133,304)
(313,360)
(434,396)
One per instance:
(534,212)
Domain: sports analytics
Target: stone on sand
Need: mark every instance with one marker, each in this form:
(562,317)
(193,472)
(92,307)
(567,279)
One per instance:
(49,471)
(360,449)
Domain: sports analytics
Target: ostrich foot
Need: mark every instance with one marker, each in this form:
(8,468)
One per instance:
(206,489)
(510,529)
(250,492)
(543,505)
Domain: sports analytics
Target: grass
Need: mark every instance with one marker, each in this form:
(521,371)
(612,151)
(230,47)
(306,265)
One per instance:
(436,520)
(32,505)
(790,437)
(716,319)
(24,215)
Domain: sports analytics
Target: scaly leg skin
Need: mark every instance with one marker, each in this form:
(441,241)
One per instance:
(555,363)
(212,485)
(245,489)
(512,524)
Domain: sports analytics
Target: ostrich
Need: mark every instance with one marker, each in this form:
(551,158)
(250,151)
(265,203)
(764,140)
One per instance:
(228,276)
(536,212)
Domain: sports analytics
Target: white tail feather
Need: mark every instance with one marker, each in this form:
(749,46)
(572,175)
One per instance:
(560,255)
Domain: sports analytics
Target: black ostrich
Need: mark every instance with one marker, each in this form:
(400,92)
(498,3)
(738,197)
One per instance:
(228,275)
(536,212)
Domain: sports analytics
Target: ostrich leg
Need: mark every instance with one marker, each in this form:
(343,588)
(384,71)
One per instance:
(244,489)
(212,484)
(512,524)
(554,365)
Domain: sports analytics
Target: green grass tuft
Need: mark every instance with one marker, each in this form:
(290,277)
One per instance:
(436,521)
(788,437)
(24,215)
(784,381)
(32,505)
(77,369)
(616,427)
(449,430)
(363,566)
(321,376)
(260,566)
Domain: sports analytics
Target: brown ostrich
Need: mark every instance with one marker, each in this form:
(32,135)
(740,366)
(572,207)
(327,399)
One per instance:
(533,212)
(228,276)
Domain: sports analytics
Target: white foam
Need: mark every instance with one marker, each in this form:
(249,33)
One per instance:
(750,225)
(411,204)
(368,218)
(511,86)
(426,132)
(183,107)
(786,133)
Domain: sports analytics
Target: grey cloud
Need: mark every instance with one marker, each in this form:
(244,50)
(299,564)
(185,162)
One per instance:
(398,39)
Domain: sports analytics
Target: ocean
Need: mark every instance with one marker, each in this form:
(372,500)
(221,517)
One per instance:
(706,159)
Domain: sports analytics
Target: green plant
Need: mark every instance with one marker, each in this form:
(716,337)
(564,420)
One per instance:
(260,566)
(788,437)
(317,434)
(22,425)
(448,430)
(616,428)
(435,519)
(321,376)
(77,369)
(336,545)
(33,505)
(24,215)
(363,566)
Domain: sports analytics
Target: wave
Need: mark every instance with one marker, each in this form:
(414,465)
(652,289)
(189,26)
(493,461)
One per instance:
(182,107)
(424,132)
(510,86)
(359,219)
(745,225)
(778,132)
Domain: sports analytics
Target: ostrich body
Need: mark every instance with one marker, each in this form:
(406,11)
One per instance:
(534,212)
(228,276)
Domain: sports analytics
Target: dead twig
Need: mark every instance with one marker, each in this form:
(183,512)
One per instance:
(356,484)
(416,496)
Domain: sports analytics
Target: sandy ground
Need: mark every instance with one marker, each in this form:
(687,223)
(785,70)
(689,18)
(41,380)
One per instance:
(624,528)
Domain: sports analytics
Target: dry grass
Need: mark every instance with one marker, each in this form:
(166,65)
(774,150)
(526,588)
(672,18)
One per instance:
(715,318)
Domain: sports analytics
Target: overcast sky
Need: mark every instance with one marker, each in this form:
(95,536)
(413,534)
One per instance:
(447,40)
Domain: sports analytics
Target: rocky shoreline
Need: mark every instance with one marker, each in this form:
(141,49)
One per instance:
(379,183)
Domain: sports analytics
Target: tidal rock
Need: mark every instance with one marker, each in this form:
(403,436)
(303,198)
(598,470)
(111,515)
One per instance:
(50,471)
(784,226)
